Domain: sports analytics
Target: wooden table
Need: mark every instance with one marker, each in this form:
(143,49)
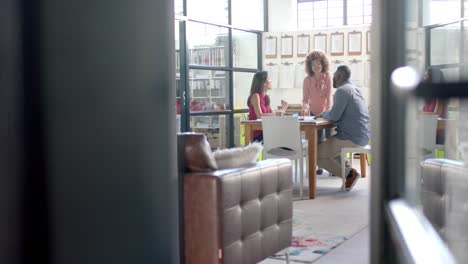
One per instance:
(310,128)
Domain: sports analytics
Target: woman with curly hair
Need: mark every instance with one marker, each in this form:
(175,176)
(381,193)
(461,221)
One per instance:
(317,87)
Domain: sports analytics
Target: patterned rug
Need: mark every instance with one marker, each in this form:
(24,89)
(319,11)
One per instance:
(307,244)
(324,223)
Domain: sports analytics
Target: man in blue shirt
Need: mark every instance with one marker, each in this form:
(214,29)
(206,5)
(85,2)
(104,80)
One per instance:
(350,113)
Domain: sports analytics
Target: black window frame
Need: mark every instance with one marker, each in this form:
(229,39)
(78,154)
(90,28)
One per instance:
(185,67)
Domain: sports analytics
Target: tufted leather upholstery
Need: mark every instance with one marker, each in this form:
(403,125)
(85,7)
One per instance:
(238,216)
(444,197)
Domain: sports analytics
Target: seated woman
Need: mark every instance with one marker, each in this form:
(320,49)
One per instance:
(435,105)
(259,102)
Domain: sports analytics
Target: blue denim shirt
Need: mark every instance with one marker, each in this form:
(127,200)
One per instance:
(350,113)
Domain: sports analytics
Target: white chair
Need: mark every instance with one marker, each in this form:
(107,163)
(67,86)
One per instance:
(344,151)
(177,123)
(428,133)
(282,138)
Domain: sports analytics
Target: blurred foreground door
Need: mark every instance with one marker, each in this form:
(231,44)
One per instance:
(420,180)
(88,156)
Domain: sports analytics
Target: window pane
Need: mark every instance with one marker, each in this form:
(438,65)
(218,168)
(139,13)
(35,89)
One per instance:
(355,11)
(214,127)
(443,10)
(179,7)
(332,10)
(335,3)
(320,4)
(208,45)
(355,20)
(248,14)
(305,15)
(464,68)
(245,49)
(445,45)
(355,3)
(465,4)
(444,141)
(320,23)
(367,19)
(367,10)
(242,83)
(208,10)
(208,90)
(335,22)
(335,12)
(320,13)
(441,135)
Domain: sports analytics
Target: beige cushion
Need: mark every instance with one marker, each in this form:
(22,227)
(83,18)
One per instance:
(237,157)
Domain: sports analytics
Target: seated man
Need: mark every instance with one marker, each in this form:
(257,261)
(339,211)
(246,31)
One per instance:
(350,113)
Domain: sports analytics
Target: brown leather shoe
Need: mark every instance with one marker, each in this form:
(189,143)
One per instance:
(351,179)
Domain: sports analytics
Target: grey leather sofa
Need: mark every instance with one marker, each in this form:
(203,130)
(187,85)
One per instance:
(444,196)
(237,216)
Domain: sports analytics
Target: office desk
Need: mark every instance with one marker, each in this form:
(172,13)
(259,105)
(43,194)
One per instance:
(310,128)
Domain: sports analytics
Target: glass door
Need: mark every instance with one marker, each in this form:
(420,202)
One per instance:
(219,50)
(419,200)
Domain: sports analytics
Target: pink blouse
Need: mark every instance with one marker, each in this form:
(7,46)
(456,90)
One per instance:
(318,93)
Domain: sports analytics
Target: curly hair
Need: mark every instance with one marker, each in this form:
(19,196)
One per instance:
(317,55)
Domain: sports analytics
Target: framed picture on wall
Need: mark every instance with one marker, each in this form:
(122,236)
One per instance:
(271,47)
(368,39)
(337,44)
(286,46)
(354,43)
(303,44)
(320,42)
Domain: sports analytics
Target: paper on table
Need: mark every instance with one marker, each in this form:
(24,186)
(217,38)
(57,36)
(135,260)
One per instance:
(310,118)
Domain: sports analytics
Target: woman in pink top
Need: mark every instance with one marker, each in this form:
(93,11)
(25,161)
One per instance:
(317,87)
(436,105)
(259,102)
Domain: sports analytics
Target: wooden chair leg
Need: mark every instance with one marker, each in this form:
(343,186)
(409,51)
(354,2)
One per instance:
(362,157)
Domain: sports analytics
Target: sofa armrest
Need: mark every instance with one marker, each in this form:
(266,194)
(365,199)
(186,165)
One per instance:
(444,199)
(239,215)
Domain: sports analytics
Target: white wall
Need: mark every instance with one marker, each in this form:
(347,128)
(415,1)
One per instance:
(293,94)
(282,15)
